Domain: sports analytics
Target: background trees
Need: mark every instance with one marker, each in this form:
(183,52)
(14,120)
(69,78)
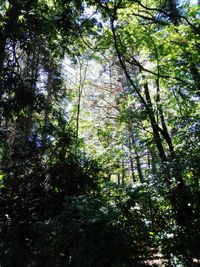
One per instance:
(117,80)
(150,43)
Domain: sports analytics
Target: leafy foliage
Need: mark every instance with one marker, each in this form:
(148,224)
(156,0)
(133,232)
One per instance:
(118,80)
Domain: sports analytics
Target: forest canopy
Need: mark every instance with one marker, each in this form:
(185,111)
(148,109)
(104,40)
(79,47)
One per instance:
(99,133)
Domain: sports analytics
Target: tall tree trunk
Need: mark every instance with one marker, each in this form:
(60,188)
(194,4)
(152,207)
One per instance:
(34,69)
(123,173)
(123,169)
(48,99)
(164,131)
(154,124)
(48,90)
(132,165)
(82,77)
(137,157)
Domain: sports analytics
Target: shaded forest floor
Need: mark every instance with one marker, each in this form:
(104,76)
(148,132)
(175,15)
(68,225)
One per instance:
(161,262)
(158,260)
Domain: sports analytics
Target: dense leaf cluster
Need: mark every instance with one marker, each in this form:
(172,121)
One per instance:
(118,80)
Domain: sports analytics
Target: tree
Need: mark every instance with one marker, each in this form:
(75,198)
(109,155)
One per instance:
(39,166)
(135,75)
(150,46)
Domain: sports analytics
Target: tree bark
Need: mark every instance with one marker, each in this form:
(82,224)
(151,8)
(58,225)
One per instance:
(154,124)
(163,130)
